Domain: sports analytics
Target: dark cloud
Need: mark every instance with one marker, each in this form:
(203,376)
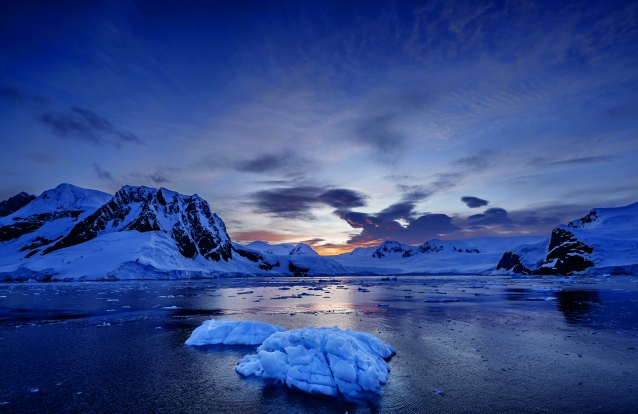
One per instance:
(102,173)
(396,211)
(298,202)
(418,231)
(342,198)
(85,125)
(158,178)
(474,202)
(491,216)
(286,162)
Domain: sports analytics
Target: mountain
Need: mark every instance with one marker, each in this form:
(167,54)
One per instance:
(288,260)
(140,232)
(186,219)
(15,203)
(281,249)
(467,256)
(603,241)
(49,216)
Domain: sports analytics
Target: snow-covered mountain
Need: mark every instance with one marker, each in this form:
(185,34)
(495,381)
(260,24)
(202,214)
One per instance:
(140,232)
(467,256)
(281,249)
(74,233)
(15,203)
(604,241)
(48,217)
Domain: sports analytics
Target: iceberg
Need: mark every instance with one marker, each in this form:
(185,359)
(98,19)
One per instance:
(224,332)
(328,361)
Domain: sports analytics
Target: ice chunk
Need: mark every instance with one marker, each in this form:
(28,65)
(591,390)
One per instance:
(232,333)
(328,361)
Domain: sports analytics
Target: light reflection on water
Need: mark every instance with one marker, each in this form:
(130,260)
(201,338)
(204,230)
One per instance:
(526,345)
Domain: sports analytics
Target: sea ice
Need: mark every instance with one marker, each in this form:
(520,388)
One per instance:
(328,361)
(232,333)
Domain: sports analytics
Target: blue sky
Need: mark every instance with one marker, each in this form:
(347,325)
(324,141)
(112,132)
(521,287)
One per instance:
(338,123)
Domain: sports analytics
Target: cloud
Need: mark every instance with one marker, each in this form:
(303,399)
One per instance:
(491,216)
(571,161)
(382,130)
(343,198)
(20,97)
(475,162)
(248,236)
(158,178)
(383,225)
(474,202)
(286,162)
(298,202)
(102,173)
(418,231)
(85,125)
(314,242)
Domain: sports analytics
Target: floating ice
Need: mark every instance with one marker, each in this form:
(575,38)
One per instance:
(232,333)
(327,361)
(441,300)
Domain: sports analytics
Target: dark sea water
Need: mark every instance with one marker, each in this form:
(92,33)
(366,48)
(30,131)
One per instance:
(560,345)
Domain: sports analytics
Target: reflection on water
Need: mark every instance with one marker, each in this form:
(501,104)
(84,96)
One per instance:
(119,346)
(577,305)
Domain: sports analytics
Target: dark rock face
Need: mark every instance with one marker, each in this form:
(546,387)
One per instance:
(386,248)
(298,271)
(22,226)
(15,203)
(512,261)
(188,220)
(589,218)
(566,255)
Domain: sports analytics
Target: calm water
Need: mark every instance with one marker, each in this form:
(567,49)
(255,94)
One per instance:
(498,345)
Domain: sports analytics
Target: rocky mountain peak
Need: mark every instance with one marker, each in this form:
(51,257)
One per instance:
(187,219)
(15,203)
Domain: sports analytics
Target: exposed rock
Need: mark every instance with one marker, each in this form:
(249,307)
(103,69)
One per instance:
(512,261)
(188,220)
(15,203)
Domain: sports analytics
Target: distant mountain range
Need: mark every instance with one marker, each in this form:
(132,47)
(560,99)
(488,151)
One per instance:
(71,233)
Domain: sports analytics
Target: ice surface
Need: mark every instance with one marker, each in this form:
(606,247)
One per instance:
(328,361)
(232,333)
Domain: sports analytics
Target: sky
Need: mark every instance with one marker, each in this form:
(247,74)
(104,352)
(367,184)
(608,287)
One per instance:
(335,123)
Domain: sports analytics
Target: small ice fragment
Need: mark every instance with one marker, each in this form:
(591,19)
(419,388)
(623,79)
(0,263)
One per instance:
(34,389)
(441,300)
(103,325)
(170,307)
(437,391)
(382,304)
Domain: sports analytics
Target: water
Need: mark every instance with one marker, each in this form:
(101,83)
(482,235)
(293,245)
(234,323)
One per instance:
(495,345)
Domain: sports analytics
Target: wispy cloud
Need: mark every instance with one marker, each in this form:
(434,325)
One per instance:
(101,173)
(85,125)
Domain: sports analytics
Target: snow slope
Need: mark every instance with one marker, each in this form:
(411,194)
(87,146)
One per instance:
(603,241)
